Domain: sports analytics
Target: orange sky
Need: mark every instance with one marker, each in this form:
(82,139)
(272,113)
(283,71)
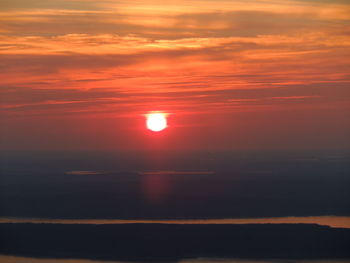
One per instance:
(81,74)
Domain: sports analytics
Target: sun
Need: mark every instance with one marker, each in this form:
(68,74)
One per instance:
(156,121)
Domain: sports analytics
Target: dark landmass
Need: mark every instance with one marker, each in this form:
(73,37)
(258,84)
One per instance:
(160,242)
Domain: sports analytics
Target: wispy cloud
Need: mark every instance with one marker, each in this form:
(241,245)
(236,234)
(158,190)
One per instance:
(116,57)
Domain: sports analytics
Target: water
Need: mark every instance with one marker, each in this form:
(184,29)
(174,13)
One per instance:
(158,185)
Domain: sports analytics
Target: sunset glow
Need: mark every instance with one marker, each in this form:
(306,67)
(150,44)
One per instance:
(229,68)
(187,130)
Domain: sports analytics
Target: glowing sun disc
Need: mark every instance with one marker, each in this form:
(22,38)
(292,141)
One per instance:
(156,122)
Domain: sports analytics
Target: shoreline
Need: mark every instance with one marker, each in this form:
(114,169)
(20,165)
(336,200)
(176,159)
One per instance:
(331,221)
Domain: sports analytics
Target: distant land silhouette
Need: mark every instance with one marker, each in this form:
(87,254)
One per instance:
(162,242)
(332,221)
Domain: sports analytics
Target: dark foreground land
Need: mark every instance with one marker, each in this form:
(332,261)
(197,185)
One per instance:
(161,242)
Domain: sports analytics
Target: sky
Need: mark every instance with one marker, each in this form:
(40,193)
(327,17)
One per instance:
(229,74)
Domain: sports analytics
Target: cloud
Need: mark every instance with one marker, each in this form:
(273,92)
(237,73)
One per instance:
(88,57)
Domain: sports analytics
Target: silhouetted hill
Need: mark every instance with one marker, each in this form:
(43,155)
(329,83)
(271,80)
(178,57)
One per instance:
(161,242)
